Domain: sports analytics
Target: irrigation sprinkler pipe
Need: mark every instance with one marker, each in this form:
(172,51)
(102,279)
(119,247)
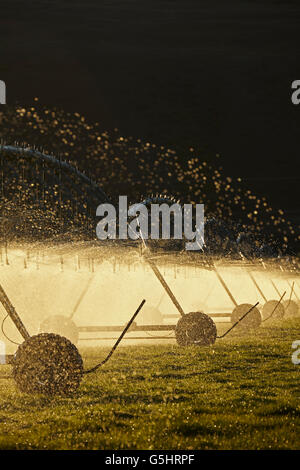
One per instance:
(101,338)
(61,164)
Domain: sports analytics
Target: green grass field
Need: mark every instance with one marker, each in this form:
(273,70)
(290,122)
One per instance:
(242,393)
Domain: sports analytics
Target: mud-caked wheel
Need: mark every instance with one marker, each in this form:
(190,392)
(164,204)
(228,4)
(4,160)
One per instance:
(291,308)
(252,320)
(195,328)
(60,325)
(49,364)
(273,309)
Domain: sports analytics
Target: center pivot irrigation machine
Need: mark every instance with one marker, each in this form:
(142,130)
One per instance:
(49,362)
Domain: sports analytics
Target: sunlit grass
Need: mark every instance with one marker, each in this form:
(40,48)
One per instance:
(242,393)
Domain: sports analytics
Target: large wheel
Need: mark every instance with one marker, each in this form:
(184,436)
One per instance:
(268,309)
(291,308)
(48,364)
(252,320)
(60,325)
(195,328)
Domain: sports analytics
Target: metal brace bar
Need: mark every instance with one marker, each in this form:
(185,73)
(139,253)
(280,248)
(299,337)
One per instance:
(11,311)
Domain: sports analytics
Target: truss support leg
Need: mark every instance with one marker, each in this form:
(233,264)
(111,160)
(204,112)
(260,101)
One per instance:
(13,314)
(165,285)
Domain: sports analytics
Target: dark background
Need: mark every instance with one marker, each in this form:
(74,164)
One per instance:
(213,75)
